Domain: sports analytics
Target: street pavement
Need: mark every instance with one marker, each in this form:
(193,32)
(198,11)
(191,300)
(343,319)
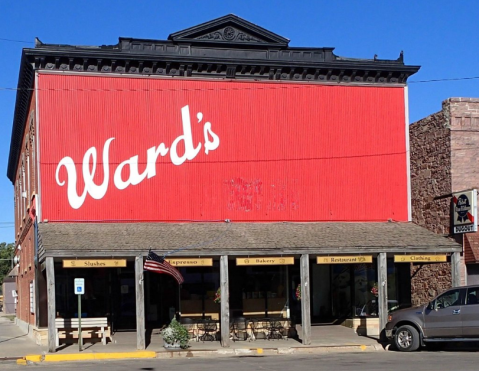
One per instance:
(340,361)
(16,344)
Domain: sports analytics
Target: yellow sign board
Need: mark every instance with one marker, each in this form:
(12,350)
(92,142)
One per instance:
(94,263)
(267,260)
(354,259)
(190,262)
(420,258)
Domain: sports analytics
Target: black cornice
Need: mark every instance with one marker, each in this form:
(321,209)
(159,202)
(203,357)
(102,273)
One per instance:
(225,48)
(22,104)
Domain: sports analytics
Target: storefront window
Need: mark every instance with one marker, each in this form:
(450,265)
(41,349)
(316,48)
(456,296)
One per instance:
(258,291)
(198,292)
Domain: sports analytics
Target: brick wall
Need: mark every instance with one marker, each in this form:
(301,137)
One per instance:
(430,148)
(464,122)
(25,188)
(444,159)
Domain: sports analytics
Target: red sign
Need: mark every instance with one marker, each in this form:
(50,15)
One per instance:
(144,149)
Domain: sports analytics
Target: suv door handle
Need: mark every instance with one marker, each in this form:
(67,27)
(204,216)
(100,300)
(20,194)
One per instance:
(456,311)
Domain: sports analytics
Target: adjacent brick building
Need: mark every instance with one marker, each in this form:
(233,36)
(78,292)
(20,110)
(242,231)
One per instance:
(444,159)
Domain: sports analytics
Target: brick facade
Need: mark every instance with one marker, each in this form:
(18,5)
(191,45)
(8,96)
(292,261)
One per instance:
(26,187)
(444,159)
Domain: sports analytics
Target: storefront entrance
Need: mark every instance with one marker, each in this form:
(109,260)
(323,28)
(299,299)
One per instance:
(340,291)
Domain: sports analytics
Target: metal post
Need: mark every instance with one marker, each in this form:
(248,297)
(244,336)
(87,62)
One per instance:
(79,324)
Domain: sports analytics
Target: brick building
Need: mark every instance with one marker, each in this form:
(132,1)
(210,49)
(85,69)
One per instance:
(444,160)
(254,166)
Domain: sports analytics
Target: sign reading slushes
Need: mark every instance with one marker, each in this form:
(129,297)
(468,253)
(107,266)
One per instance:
(94,263)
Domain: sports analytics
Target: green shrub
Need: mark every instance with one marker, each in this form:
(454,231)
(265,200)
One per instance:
(176,333)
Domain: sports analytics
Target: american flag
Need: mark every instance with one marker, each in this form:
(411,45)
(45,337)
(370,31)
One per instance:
(158,264)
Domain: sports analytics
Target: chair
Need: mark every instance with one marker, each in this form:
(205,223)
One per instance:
(260,328)
(189,324)
(207,330)
(240,331)
(276,329)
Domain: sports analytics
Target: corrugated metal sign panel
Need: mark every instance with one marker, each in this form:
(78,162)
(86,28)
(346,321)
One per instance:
(170,150)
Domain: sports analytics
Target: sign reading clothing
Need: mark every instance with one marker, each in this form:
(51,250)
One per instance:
(344,259)
(98,263)
(269,260)
(465,211)
(420,258)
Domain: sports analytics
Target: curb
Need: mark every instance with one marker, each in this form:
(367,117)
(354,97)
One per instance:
(84,357)
(184,353)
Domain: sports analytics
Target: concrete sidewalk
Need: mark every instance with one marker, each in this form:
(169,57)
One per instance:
(15,344)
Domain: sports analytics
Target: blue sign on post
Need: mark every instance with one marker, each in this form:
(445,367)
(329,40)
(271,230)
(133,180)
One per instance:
(79,286)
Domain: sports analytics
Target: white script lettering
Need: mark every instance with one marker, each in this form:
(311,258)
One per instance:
(134,177)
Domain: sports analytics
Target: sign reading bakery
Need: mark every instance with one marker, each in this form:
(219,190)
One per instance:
(144,149)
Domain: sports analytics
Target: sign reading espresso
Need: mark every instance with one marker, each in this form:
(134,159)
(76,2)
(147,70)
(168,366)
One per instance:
(344,259)
(419,258)
(188,262)
(94,263)
(269,260)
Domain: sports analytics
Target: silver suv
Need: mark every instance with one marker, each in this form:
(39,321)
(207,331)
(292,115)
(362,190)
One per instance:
(451,316)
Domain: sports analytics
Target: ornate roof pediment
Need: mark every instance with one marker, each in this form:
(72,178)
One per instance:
(229,29)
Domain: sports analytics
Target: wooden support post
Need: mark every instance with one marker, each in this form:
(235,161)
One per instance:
(382,291)
(50,268)
(305,300)
(456,269)
(140,304)
(225,302)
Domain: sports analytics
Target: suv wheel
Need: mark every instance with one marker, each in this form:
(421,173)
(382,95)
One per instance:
(407,338)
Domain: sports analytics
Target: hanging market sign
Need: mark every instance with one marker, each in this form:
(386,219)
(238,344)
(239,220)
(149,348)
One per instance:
(268,260)
(344,259)
(465,211)
(419,258)
(96,263)
(188,262)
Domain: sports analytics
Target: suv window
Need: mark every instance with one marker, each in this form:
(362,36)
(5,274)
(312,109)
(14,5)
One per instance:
(472,296)
(449,298)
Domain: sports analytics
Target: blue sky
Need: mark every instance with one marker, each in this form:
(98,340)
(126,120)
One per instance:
(440,36)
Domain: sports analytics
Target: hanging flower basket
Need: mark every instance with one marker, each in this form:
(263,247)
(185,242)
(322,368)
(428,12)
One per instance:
(298,292)
(217,299)
(374,289)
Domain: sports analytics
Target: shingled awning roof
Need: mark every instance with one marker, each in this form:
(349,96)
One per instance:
(130,239)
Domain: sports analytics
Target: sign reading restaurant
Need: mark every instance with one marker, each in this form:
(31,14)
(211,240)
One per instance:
(344,259)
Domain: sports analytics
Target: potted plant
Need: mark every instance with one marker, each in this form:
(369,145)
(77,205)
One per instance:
(175,335)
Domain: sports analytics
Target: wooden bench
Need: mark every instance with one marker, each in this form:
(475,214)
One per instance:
(67,328)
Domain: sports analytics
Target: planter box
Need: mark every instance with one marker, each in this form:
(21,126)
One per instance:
(364,326)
